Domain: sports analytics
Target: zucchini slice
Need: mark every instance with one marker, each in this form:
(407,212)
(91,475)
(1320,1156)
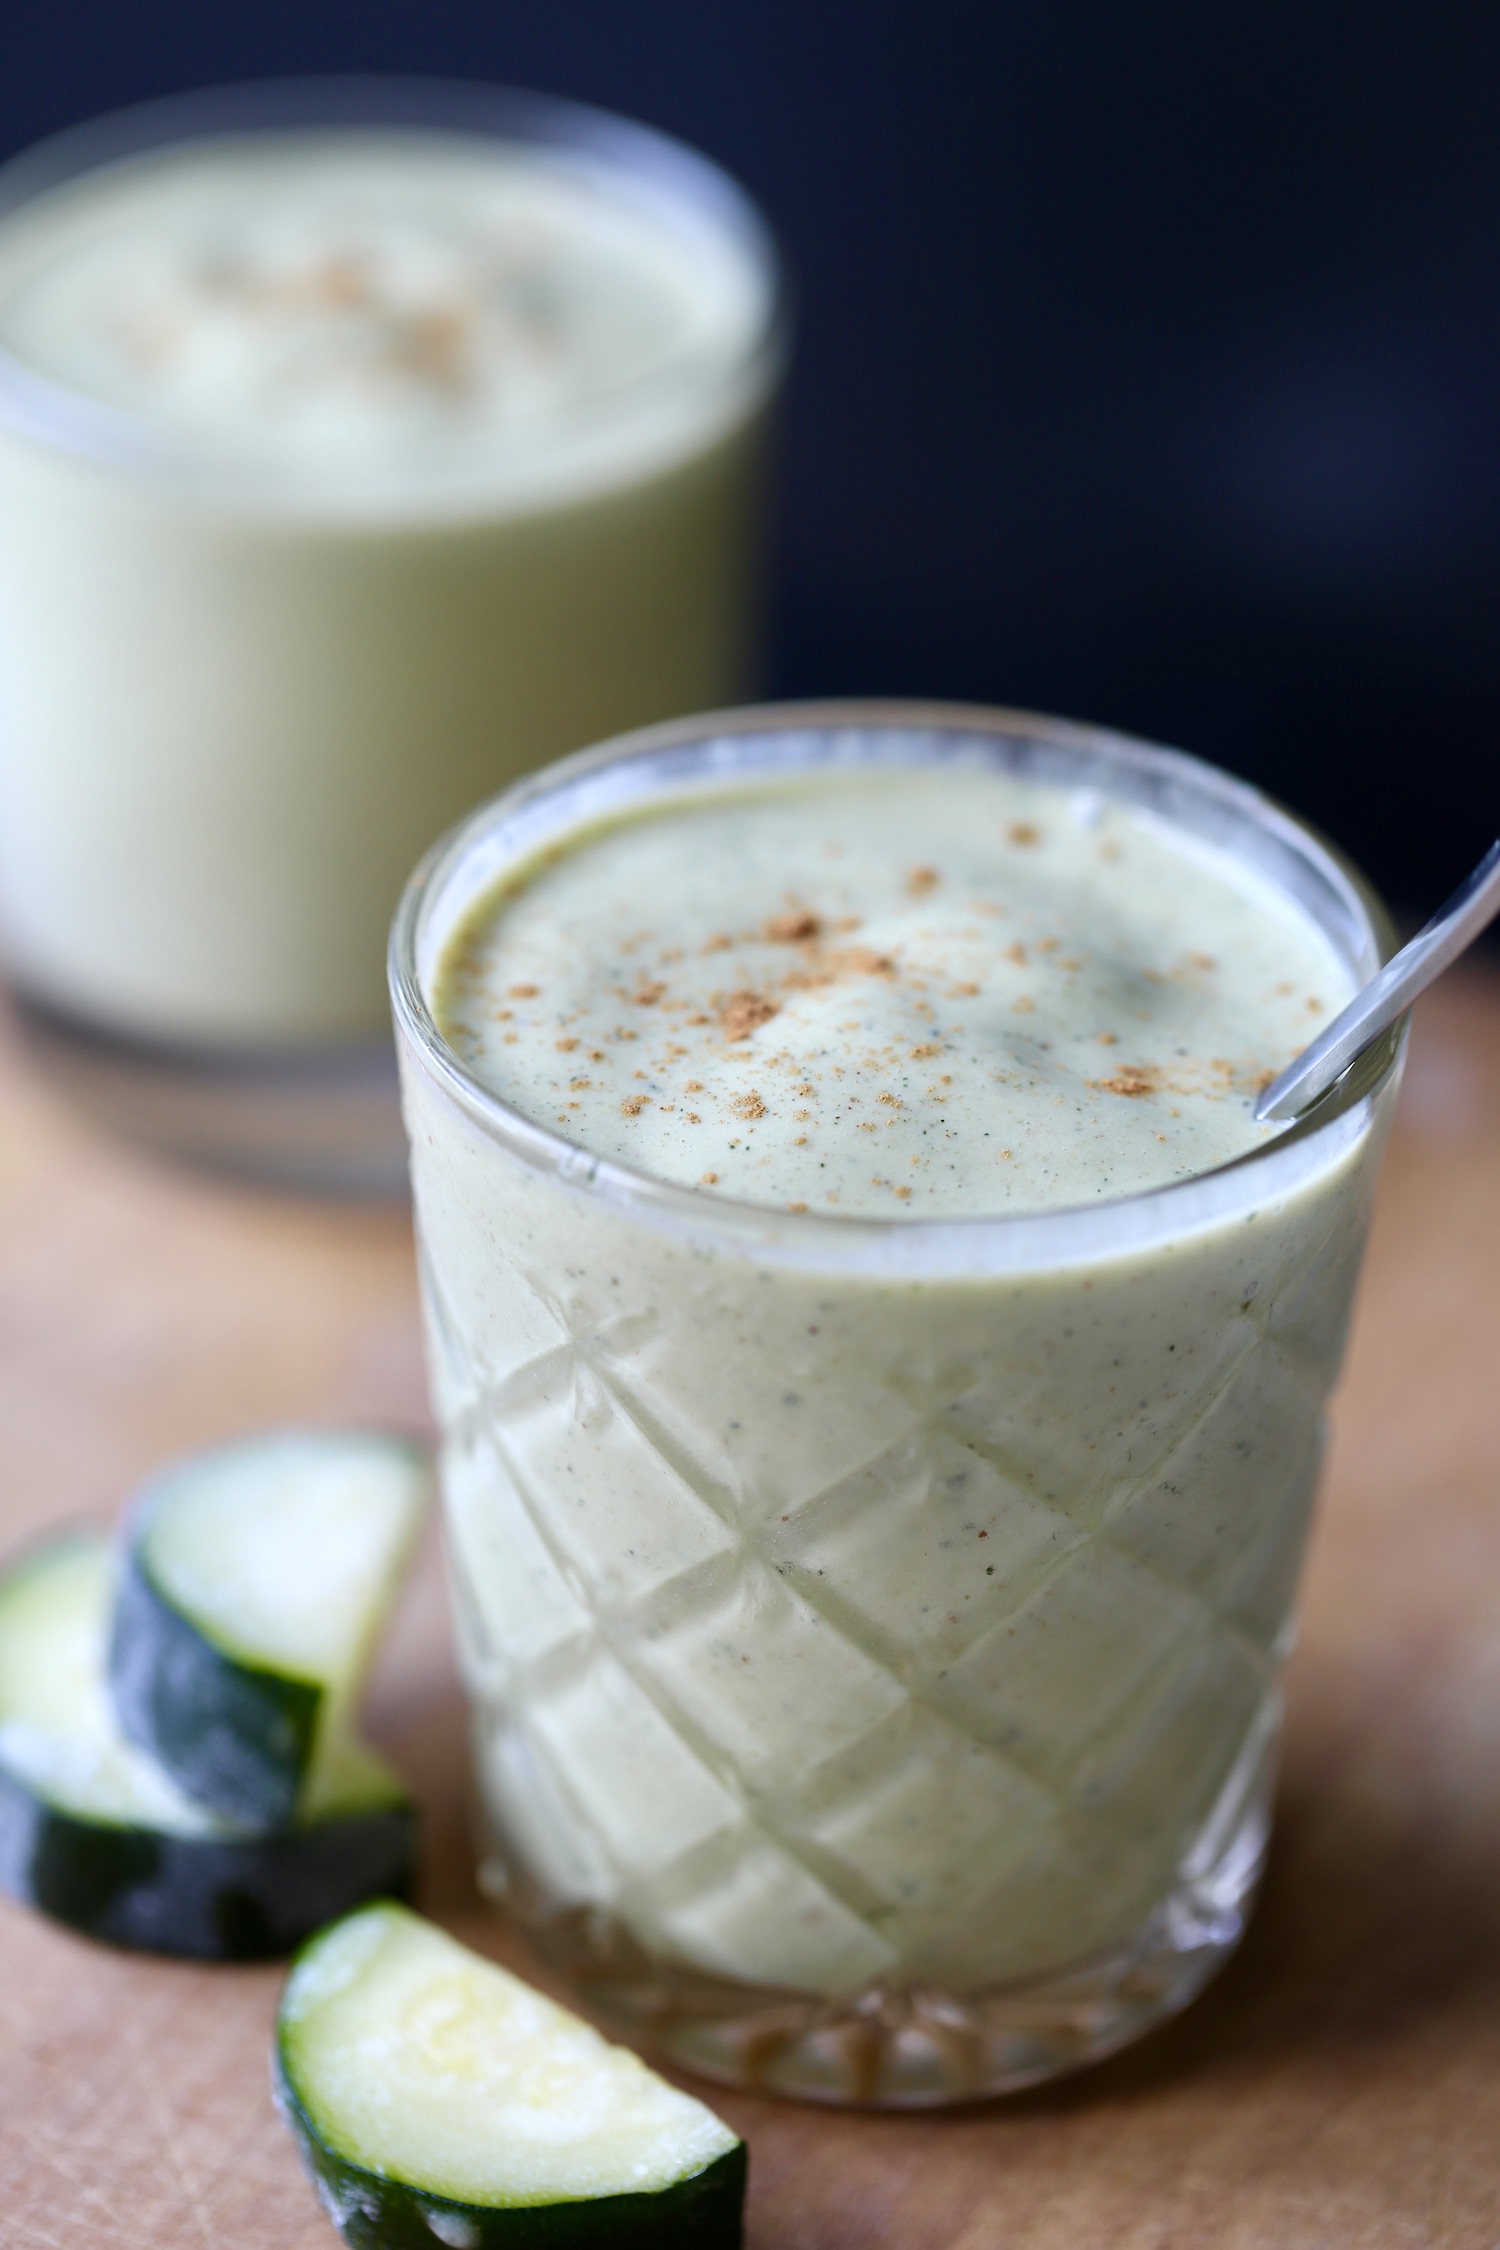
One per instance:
(254,1583)
(439,2100)
(95,1835)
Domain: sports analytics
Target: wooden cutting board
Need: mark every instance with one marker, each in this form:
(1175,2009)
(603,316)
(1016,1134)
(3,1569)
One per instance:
(1340,2085)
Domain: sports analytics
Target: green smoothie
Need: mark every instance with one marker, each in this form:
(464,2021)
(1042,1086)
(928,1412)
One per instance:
(346,473)
(882,1412)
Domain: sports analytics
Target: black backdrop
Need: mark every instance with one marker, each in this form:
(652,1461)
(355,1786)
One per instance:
(1149,350)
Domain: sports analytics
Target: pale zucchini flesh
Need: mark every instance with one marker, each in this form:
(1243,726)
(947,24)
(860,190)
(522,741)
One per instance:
(255,1582)
(95,1835)
(437,2098)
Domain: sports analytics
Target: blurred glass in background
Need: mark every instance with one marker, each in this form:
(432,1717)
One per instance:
(362,445)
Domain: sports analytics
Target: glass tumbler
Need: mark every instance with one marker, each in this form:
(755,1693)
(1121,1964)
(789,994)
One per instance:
(268,624)
(758,1776)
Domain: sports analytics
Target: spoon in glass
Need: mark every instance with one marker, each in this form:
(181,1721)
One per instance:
(1451,932)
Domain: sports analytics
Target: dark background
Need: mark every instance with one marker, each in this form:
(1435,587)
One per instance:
(1148,356)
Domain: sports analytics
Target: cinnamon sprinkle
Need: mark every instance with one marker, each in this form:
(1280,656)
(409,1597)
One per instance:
(796,928)
(819,969)
(1131,1080)
(744,1012)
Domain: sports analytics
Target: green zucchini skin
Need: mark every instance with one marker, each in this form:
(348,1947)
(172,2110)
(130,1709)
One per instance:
(233,1737)
(372,2213)
(202,1898)
(238,1731)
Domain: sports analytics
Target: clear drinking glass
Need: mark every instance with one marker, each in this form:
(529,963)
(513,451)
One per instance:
(750,1779)
(247,674)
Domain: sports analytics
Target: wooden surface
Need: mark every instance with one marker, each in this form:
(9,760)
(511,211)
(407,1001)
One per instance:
(1339,2086)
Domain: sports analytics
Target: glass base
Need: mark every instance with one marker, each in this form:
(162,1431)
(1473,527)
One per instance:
(913,2047)
(324,1120)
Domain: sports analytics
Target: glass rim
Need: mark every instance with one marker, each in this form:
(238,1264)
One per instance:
(656,166)
(892,1247)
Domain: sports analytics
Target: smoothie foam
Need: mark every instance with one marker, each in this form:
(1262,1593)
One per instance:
(893,997)
(374,319)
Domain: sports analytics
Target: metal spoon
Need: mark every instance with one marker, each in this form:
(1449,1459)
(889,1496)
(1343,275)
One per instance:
(1451,931)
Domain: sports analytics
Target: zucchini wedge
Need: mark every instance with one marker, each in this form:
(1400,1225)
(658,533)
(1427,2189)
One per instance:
(254,1583)
(438,2099)
(95,1835)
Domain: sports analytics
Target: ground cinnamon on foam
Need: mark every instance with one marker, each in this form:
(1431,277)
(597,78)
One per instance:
(744,1012)
(793,949)
(1130,1079)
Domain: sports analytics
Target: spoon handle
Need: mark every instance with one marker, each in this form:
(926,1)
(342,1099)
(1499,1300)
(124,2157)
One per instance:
(1452,929)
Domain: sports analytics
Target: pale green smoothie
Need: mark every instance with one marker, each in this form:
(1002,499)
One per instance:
(875,1548)
(346,473)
